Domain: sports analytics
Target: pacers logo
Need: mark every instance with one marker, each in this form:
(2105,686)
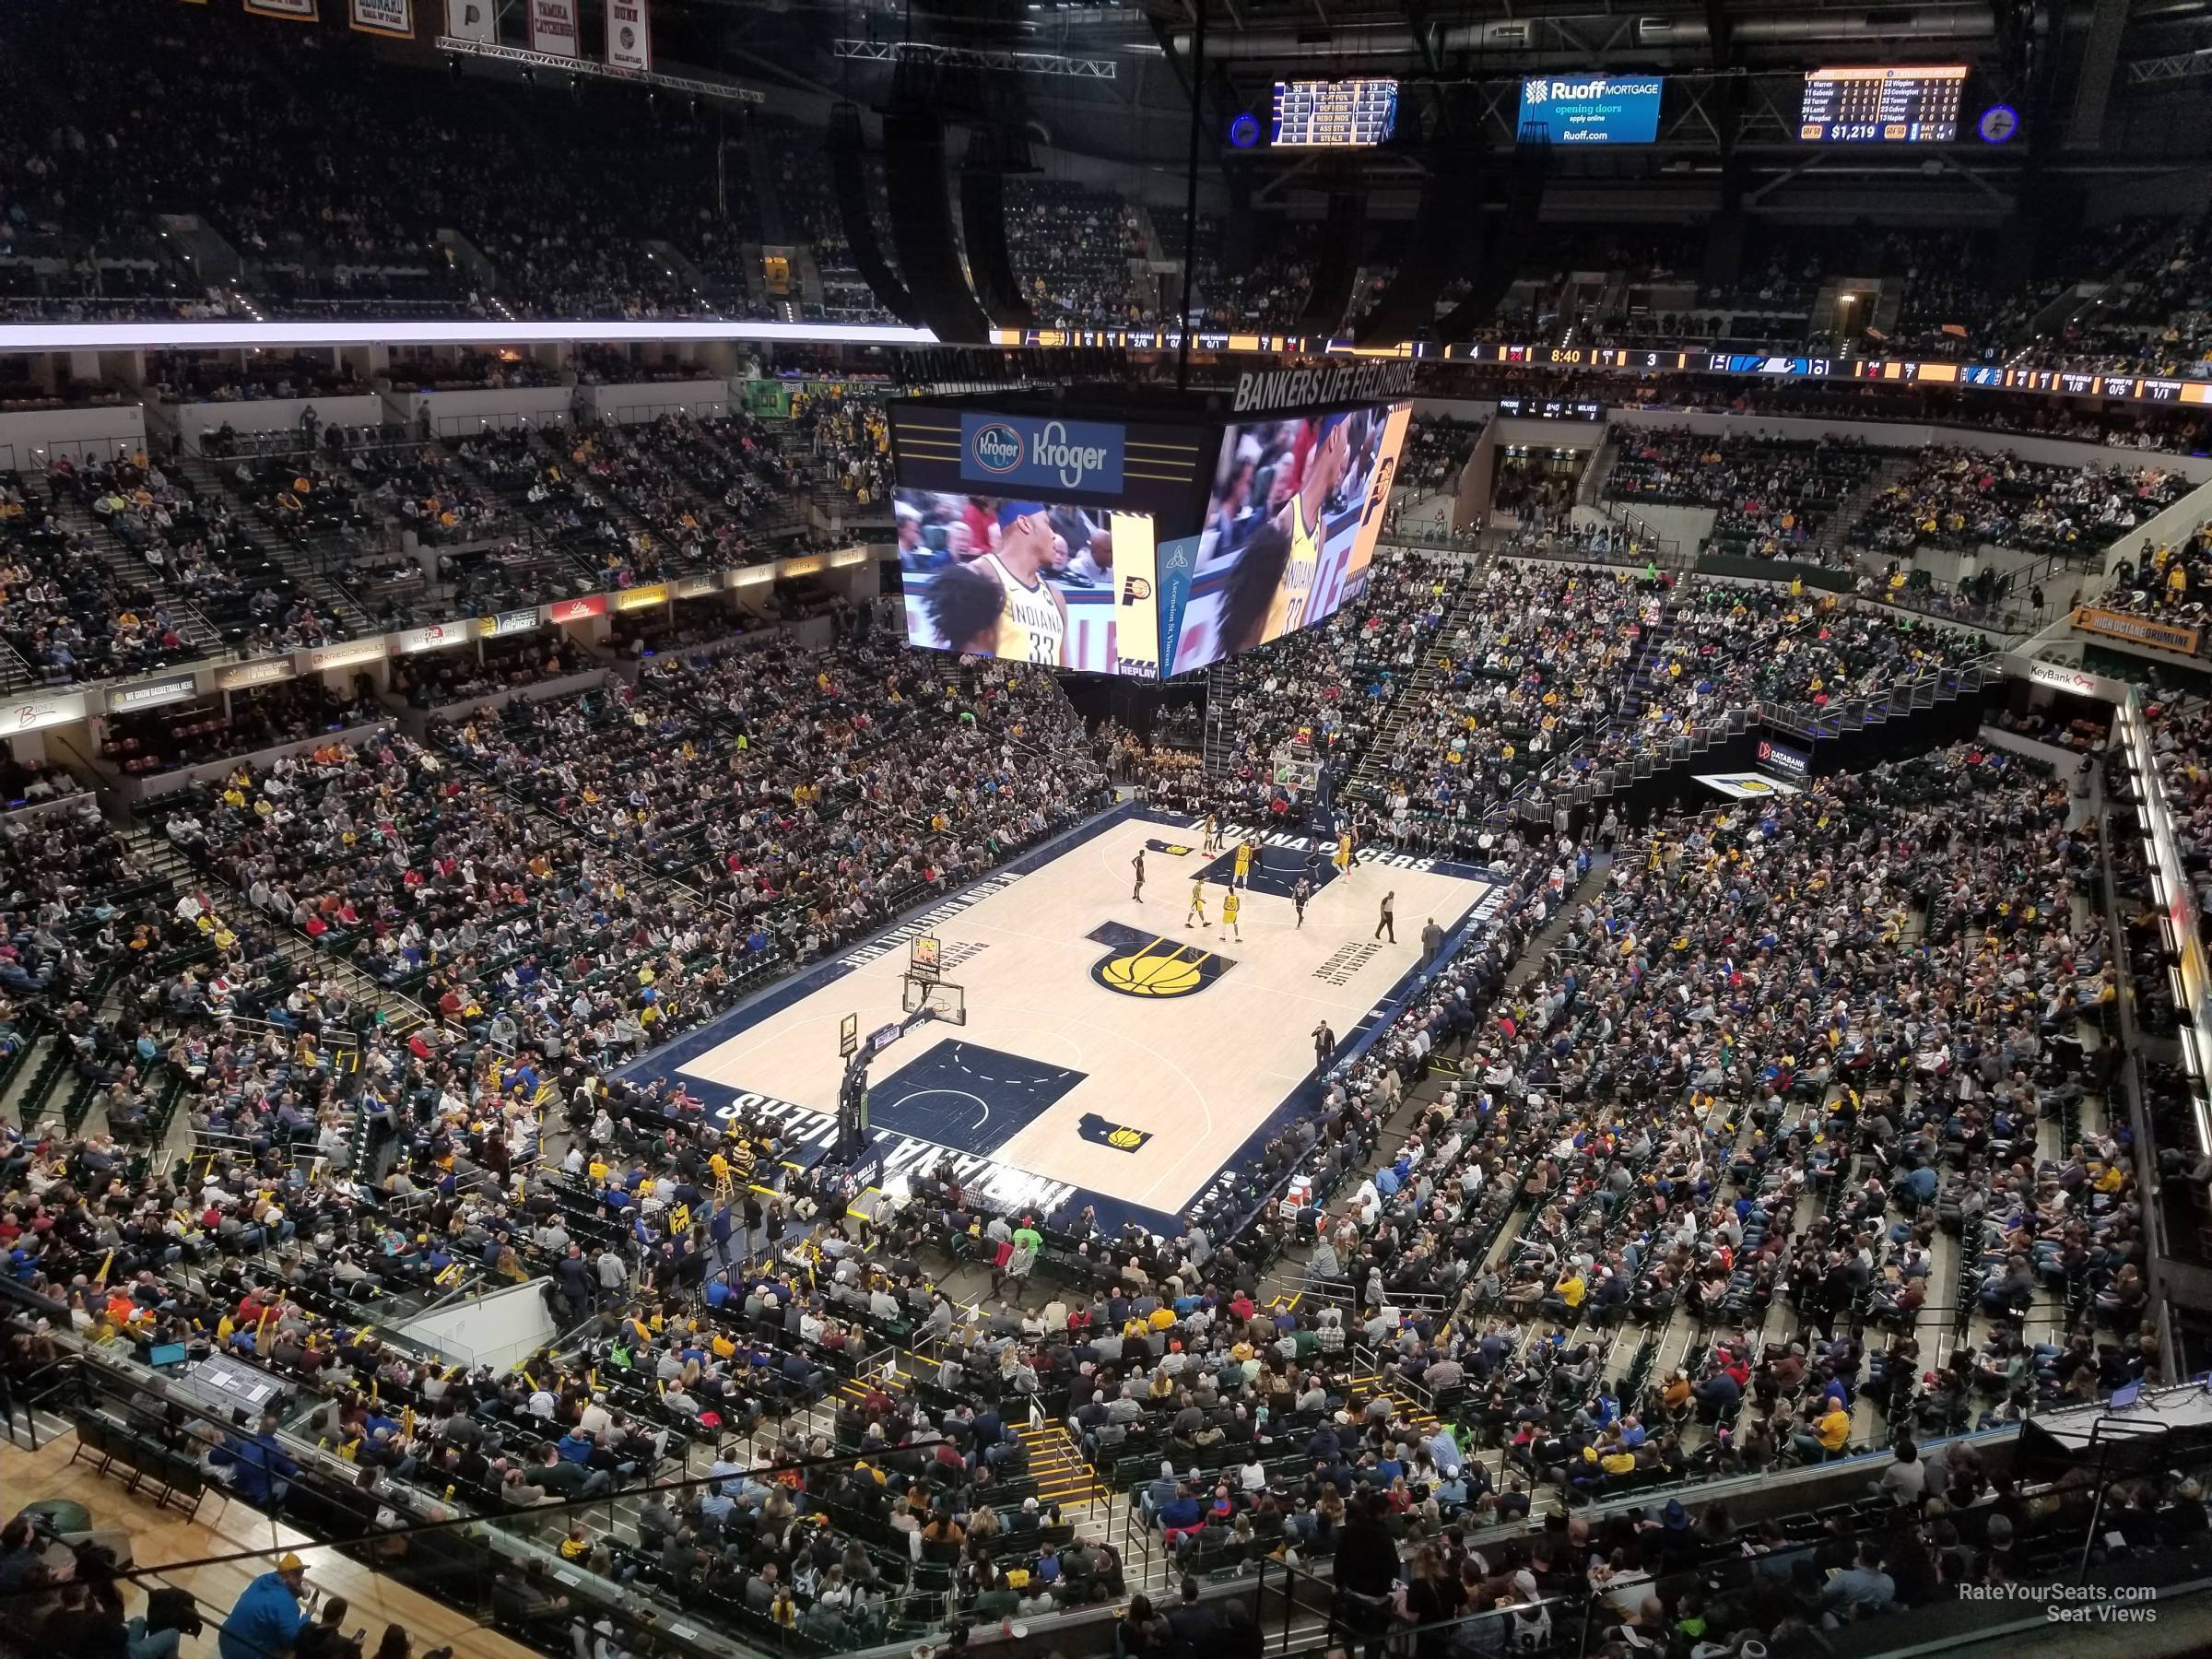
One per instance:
(1172,849)
(1144,964)
(1119,1137)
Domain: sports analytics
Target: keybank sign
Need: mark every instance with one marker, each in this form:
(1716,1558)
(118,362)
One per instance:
(1016,450)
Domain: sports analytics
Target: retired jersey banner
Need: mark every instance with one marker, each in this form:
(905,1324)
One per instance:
(476,20)
(553,28)
(630,35)
(393,18)
(299,11)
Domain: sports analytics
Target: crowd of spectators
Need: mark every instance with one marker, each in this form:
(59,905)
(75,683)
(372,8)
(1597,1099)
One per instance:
(1960,498)
(808,794)
(1773,495)
(1073,252)
(843,429)
(1704,1050)
(2172,581)
(1437,447)
(1334,684)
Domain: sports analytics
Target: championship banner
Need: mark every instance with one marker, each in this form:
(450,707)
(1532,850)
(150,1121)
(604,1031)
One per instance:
(476,20)
(2143,630)
(630,36)
(553,28)
(296,11)
(391,19)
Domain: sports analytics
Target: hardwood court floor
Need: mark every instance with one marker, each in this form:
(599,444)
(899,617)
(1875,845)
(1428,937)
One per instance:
(1140,1094)
(161,1535)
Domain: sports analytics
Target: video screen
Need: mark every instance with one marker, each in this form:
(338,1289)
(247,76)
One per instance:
(1290,530)
(1035,581)
(1329,114)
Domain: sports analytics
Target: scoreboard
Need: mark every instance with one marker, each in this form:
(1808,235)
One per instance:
(1881,106)
(1642,360)
(1552,409)
(1318,115)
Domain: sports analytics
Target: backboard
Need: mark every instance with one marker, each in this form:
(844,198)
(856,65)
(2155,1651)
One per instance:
(944,1001)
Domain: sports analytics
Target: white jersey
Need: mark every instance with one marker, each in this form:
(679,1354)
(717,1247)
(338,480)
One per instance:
(1031,629)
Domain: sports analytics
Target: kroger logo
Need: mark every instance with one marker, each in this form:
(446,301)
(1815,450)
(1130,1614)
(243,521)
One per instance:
(1050,449)
(997,448)
(1045,456)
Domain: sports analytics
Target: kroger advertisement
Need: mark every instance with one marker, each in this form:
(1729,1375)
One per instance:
(1290,530)
(1589,108)
(1058,456)
(1029,579)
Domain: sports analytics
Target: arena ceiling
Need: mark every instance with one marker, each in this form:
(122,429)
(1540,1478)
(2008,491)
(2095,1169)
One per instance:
(2117,89)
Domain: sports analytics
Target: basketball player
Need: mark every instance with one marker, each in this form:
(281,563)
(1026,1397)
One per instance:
(1138,864)
(1212,843)
(1273,579)
(1243,871)
(1032,625)
(1312,875)
(1196,915)
(1299,894)
(1343,860)
(1229,913)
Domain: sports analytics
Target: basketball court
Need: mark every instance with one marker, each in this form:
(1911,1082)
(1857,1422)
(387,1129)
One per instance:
(1105,1051)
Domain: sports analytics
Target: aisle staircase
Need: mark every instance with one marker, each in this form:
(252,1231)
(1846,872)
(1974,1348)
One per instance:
(200,636)
(1643,679)
(1063,1475)
(289,551)
(1367,1381)
(1420,690)
(1837,525)
(1221,755)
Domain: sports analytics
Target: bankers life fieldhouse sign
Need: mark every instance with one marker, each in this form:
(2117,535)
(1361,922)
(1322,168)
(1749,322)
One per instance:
(1264,389)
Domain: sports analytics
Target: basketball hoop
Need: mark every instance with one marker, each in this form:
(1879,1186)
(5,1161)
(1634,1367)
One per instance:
(1294,768)
(935,998)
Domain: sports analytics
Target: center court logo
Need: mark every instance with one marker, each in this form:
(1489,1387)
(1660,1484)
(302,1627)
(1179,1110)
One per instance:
(1138,963)
(997,449)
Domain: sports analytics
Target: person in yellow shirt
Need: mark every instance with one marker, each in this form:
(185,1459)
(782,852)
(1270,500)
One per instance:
(1570,1290)
(1830,1433)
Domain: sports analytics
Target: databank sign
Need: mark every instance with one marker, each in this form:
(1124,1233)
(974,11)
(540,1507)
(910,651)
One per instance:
(1589,109)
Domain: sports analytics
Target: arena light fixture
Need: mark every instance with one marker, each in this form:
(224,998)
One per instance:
(505,331)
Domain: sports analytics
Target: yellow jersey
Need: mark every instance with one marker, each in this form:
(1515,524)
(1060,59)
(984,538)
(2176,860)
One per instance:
(1030,629)
(1243,857)
(1229,905)
(1286,610)
(1344,852)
